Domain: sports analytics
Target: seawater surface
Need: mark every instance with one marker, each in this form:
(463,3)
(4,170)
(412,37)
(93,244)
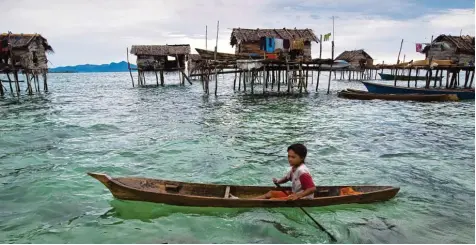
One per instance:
(98,122)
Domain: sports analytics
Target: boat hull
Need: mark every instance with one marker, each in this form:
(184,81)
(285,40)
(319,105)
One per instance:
(363,95)
(463,94)
(207,195)
(405,78)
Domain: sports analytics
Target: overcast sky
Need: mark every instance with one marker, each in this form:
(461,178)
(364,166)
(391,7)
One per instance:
(99,31)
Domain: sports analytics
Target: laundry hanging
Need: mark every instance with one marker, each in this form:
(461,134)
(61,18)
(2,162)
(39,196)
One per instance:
(262,43)
(270,44)
(278,44)
(286,44)
(298,44)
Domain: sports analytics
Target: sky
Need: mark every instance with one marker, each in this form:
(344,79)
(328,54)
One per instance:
(99,31)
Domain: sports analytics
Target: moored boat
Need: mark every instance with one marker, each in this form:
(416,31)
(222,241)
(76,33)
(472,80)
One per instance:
(210,55)
(364,95)
(391,77)
(463,94)
(213,195)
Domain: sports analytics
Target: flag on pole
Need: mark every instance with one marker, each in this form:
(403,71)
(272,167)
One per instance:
(327,36)
(419,47)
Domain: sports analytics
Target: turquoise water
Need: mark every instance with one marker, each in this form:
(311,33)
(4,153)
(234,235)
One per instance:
(98,122)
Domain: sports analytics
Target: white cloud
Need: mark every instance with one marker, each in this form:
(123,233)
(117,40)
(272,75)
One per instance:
(100,31)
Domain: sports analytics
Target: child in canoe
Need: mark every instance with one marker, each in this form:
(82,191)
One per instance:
(302,183)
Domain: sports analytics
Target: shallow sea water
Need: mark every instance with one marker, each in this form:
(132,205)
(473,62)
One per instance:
(98,122)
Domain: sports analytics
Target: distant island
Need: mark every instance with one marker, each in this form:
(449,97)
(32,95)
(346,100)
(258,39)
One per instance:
(112,67)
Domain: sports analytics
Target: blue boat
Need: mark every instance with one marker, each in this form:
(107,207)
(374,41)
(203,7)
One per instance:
(391,77)
(463,94)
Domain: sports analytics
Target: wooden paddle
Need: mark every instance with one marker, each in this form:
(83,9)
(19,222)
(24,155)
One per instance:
(333,239)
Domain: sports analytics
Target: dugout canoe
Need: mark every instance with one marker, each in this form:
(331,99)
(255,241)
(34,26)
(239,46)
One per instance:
(214,195)
(364,95)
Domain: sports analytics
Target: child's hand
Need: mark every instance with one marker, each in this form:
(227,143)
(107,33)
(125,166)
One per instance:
(275,181)
(293,197)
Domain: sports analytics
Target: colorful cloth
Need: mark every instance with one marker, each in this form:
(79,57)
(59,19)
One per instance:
(278,44)
(327,36)
(270,44)
(262,43)
(419,47)
(298,44)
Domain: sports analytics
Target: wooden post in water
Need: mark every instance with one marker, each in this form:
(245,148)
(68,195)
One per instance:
(156,78)
(28,81)
(319,67)
(307,77)
(234,80)
(216,49)
(436,78)
(279,78)
(1,88)
(162,77)
(441,78)
(273,79)
(398,62)
(239,81)
(466,78)
(245,79)
(17,84)
(330,70)
(447,78)
(472,78)
(409,76)
(10,82)
(129,66)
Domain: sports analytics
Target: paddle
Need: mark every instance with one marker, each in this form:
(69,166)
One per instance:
(333,239)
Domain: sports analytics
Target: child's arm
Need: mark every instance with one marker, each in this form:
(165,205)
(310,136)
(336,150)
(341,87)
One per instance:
(281,181)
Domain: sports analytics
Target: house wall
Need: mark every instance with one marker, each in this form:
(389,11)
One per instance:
(33,57)
(355,62)
(245,48)
(438,53)
(151,62)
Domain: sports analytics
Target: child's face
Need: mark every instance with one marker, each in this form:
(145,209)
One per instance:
(294,159)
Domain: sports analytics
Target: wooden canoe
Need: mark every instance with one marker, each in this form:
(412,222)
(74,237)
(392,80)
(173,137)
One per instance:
(363,95)
(212,195)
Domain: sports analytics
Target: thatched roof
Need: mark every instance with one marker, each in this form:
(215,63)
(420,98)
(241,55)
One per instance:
(23,40)
(463,44)
(254,35)
(353,55)
(160,50)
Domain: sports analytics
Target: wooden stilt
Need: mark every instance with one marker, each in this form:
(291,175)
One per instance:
(245,81)
(466,78)
(448,78)
(436,76)
(17,84)
(279,78)
(307,78)
(457,79)
(409,76)
(472,78)
(162,78)
(2,92)
(10,82)
(330,72)
(156,78)
(29,88)
(318,76)
(45,83)
(129,66)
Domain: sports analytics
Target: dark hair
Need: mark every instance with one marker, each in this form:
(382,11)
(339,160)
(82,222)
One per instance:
(299,149)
